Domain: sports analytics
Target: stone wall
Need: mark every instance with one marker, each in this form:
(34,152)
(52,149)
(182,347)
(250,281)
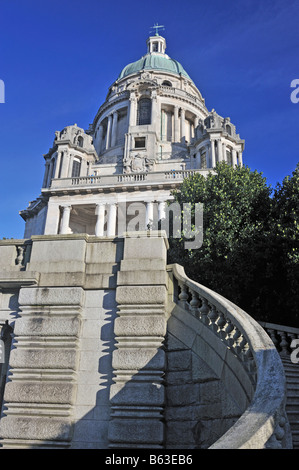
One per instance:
(103,355)
(198,408)
(60,300)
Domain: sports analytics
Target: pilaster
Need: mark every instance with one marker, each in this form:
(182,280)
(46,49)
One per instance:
(138,396)
(176,124)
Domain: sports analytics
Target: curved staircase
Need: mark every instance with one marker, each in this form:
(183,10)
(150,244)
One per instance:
(282,337)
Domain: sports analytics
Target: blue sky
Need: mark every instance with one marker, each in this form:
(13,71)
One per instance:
(59,57)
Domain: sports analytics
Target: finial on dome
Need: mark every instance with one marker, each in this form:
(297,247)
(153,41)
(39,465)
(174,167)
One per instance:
(157,27)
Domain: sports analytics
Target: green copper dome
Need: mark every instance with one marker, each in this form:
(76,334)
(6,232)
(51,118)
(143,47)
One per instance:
(159,62)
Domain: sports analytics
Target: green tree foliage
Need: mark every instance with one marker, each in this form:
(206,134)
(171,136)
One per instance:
(249,251)
(285,219)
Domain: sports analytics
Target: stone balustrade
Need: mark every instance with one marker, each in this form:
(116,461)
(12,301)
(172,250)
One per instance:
(282,336)
(118,179)
(254,357)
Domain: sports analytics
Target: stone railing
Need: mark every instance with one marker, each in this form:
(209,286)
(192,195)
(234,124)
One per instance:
(84,180)
(251,354)
(283,337)
(117,179)
(176,91)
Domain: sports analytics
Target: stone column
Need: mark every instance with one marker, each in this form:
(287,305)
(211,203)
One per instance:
(176,124)
(111,226)
(155,111)
(224,157)
(57,166)
(100,138)
(219,148)
(114,129)
(196,120)
(100,213)
(70,165)
(161,210)
(133,111)
(137,395)
(213,156)
(234,158)
(149,214)
(183,127)
(240,158)
(108,134)
(83,167)
(65,164)
(65,220)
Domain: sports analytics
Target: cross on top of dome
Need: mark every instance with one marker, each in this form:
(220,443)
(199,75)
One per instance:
(157,27)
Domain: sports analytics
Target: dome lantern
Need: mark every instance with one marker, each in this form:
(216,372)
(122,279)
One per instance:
(156,45)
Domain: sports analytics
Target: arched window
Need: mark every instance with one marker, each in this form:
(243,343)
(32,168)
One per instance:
(228,129)
(80,141)
(166,83)
(144,111)
(76,167)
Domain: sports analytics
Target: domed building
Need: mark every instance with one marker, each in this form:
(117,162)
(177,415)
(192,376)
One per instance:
(153,130)
(103,345)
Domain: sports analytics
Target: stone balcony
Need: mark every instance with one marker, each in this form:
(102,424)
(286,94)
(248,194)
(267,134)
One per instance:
(162,179)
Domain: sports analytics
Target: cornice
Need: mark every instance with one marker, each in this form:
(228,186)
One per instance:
(37,205)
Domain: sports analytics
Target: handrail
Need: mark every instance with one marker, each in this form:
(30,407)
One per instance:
(264,423)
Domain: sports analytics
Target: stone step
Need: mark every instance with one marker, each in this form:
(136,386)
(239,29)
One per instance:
(294,423)
(290,366)
(292,405)
(295,435)
(292,374)
(293,419)
(292,384)
(292,408)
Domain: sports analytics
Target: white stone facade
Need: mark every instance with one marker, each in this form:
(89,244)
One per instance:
(151,132)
